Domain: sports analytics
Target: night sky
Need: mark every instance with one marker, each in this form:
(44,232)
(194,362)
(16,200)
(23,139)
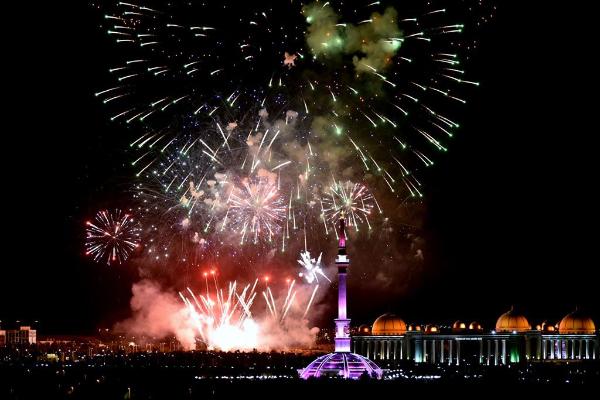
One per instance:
(510,210)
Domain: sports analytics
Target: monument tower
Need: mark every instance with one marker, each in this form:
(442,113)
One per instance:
(341,363)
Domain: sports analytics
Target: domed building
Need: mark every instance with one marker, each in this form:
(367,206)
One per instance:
(388,324)
(459,326)
(392,342)
(573,338)
(576,323)
(512,321)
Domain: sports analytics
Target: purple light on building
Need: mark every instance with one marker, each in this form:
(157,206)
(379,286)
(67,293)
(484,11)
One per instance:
(345,365)
(342,363)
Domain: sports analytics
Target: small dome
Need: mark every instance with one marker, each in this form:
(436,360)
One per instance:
(546,327)
(475,326)
(414,328)
(431,329)
(388,324)
(577,323)
(364,330)
(459,326)
(511,321)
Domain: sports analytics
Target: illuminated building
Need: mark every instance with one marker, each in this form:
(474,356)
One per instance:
(23,335)
(513,340)
(341,363)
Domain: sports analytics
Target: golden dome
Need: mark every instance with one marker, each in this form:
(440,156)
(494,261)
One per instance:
(459,326)
(475,326)
(577,323)
(431,329)
(388,324)
(512,321)
(364,330)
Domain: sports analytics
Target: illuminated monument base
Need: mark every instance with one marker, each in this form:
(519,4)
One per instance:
(342,363)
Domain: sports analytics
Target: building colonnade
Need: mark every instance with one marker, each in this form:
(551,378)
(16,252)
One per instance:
(484,349)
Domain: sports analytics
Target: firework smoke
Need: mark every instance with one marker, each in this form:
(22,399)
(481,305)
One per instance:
(160,313)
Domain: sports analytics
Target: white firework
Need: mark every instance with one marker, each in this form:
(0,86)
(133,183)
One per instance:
(312,268)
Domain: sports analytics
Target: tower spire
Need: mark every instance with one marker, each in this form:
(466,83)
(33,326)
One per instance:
(342,323)
(342,233)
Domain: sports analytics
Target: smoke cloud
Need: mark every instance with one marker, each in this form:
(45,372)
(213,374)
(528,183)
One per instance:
(372,43)
(160,313)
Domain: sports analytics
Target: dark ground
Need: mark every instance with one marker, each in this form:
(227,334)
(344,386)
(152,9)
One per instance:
(199,375)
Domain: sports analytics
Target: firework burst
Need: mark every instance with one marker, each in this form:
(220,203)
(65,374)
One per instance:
(221,318)
(225,318)
(353,200)
(228,179)
(256,208)
(312,268)
(303,91)
(384,80)
(112,237)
